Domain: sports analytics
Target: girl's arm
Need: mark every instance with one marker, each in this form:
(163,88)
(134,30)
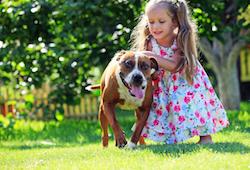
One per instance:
(172,64)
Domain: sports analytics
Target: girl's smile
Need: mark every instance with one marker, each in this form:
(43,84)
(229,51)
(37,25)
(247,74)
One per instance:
(161,25)
(157,32)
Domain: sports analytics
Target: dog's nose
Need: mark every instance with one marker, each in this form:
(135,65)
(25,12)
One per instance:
(137,79)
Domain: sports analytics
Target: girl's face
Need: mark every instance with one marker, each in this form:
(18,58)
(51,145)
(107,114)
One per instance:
(161,25)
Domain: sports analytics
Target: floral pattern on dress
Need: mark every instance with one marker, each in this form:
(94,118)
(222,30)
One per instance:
(179,110)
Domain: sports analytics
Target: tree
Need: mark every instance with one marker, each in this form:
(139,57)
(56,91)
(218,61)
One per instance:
(59,41)
(222,35)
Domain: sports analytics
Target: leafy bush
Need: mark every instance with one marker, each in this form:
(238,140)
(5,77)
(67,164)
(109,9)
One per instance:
(59,41)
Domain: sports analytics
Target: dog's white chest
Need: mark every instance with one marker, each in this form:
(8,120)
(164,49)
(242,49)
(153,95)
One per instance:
(130,101)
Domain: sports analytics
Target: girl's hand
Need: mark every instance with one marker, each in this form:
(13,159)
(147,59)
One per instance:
(178,53)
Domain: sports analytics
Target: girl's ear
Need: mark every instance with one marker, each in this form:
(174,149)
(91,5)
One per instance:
(175,22)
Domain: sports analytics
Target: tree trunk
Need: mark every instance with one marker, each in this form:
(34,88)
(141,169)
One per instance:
(228,85)
(223,58)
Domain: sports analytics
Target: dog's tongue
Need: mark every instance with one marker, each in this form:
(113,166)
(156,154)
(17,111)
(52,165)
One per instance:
(137,91)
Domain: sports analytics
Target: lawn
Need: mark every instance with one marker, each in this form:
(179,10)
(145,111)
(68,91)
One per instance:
(75,144)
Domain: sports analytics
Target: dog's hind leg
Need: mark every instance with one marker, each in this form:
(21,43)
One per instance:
(104,126)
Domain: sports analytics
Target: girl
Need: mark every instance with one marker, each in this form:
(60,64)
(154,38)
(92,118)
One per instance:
(184,102)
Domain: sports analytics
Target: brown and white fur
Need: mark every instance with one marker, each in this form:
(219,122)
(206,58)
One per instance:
(126,82)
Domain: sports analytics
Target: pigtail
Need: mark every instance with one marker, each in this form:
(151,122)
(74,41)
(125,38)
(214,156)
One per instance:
(187,38)
(139,35)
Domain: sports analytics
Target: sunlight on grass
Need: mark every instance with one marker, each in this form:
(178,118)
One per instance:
(75,144)
(182,156)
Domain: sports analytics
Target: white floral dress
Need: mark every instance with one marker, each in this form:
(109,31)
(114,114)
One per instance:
(179,110)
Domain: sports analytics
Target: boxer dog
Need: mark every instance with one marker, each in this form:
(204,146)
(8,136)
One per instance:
(127,83)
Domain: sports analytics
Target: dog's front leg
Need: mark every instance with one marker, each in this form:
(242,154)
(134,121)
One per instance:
(142,116)
(109,111)
(104,126)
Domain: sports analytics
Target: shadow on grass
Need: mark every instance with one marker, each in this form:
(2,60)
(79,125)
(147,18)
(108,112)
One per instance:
(52,134)
(180,149)
(30,146)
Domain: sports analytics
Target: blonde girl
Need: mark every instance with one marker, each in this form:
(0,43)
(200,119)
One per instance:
(184,102)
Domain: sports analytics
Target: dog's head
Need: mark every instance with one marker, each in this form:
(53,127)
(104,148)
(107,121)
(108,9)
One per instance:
(135,69)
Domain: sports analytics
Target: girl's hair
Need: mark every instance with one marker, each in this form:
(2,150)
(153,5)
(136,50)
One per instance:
(186,38)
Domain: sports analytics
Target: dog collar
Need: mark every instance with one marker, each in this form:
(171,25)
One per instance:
(123,80)
(125,83)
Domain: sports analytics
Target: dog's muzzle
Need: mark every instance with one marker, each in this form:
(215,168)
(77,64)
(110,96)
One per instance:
(137,80)
(136,87)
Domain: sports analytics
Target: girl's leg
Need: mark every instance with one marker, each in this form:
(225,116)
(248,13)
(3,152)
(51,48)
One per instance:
(205,140)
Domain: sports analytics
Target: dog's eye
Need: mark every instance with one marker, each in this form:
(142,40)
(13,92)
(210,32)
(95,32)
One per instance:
(129,64)
(144,66)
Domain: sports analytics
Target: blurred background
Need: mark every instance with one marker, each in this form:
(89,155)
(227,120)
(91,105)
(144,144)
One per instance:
(50,50)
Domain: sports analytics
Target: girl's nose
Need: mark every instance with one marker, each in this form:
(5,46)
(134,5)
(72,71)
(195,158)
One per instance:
(156,25)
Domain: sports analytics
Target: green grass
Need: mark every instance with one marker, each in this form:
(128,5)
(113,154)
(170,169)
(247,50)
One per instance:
(75,144)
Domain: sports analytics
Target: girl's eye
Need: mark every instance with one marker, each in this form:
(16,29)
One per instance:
(129,64)
(151,22)
(162,22)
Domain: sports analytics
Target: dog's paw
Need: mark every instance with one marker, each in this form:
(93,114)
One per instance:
(131,145)
(122,145)
(121,141)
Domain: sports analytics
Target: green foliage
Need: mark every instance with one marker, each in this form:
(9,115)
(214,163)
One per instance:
(240,120)
(245,15)
(60,41)
(7,123)
(214,18)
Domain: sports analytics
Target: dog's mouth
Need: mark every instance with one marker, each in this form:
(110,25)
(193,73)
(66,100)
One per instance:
(134,90)
(137,92)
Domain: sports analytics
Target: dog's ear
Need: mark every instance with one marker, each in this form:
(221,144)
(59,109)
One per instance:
(154,65)
(119,54)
